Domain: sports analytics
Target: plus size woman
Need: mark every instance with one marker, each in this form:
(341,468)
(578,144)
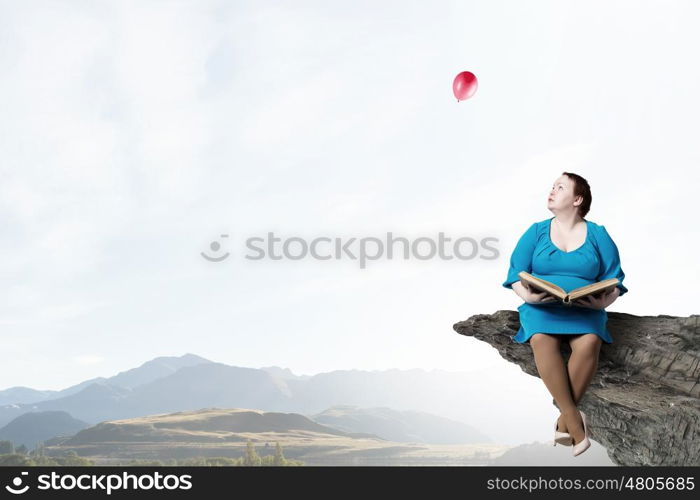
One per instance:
(571,252)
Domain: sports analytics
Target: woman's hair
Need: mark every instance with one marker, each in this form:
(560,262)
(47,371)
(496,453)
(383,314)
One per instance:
(581,188)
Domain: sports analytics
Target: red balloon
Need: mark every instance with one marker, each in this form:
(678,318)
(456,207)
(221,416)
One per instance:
(464,85)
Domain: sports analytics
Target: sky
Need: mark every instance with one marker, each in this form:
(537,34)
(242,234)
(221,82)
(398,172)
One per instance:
(133,134)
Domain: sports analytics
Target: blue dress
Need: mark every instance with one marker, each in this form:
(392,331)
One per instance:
(597,259)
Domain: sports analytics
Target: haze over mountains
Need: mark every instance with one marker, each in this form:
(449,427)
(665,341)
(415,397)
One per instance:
(173,406)
(151,370)
(190,382)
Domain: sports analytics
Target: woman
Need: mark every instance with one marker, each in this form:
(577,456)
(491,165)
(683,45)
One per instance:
(569,251)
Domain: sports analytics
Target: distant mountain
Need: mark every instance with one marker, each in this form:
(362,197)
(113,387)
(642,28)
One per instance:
(284,373)
(27,396)
(401,426)
(23,395)
(147,372)
(213,384)
(34,427)
(189,388)
(153,370)
(171,384)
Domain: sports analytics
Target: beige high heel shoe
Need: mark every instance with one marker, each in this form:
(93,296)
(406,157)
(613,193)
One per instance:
(561,437)
(585,443)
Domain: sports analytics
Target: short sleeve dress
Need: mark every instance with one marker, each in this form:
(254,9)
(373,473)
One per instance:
(597,259)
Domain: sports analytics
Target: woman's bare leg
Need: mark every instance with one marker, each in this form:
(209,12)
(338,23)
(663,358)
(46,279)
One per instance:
(553,372)
(583,362)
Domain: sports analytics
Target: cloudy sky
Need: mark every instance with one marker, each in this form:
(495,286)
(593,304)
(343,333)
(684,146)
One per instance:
(136,133)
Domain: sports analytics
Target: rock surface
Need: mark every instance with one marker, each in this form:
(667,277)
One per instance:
(643,404)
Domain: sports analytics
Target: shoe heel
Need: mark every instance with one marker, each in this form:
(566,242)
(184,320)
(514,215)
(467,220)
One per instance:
(563,438)
(585,443)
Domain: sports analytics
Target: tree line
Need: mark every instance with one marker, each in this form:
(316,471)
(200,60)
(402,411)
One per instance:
(20,455)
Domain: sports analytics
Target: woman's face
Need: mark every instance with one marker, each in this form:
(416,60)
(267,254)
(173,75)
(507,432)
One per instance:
(561,195)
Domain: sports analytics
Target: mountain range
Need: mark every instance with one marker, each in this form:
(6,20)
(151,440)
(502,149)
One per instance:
(167,385)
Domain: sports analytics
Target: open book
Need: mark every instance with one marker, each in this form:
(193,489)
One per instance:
(595,289)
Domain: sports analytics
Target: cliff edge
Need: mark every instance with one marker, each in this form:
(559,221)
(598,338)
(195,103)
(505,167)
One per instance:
(643,404)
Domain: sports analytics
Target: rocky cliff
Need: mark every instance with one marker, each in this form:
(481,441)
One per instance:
(643,404)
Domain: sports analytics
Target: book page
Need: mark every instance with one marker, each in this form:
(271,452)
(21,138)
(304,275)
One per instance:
(594,289)
(530,281)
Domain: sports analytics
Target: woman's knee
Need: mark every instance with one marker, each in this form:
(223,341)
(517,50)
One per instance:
(540,339)
(588,342)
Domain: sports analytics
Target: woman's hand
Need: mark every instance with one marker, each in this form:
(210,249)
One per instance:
(538,297)
(600,302)
(530,295)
